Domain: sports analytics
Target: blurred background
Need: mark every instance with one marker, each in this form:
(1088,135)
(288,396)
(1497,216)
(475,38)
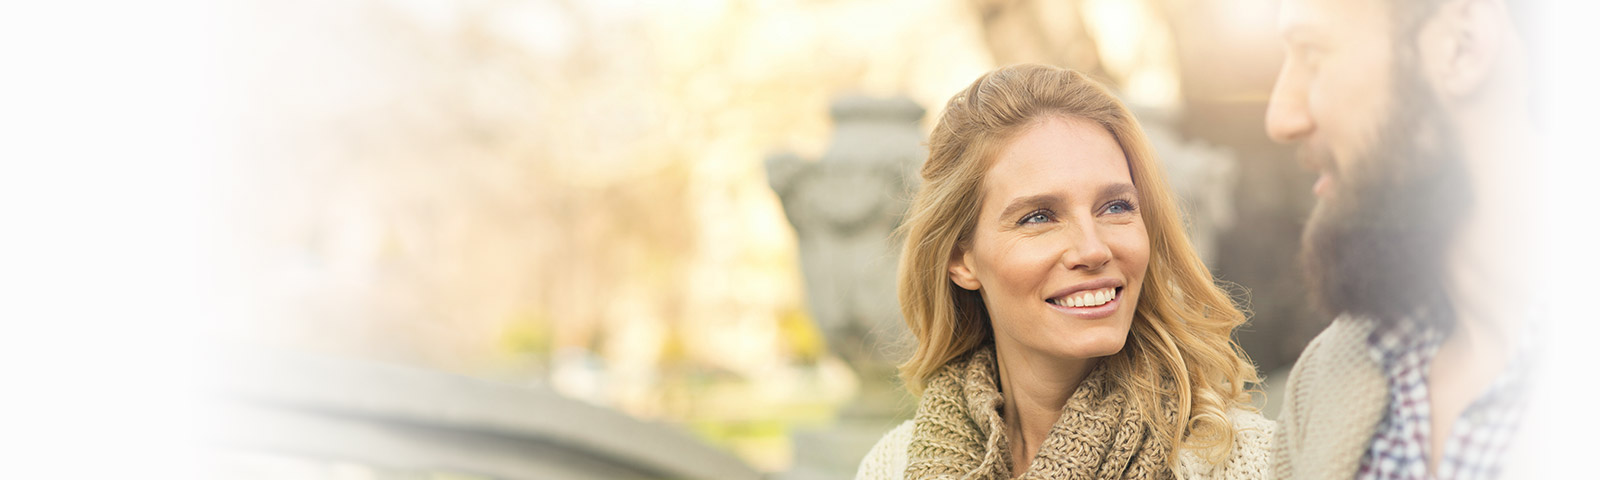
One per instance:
(575,194)
(583,239)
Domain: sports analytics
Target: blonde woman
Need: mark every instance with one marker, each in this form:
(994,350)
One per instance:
(1065,326)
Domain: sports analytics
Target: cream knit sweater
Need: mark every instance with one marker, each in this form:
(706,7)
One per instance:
(1249,460)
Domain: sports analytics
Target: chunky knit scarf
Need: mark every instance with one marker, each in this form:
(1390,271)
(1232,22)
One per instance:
(958,432)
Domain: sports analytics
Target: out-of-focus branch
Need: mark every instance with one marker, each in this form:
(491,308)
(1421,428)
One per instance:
(1034,31)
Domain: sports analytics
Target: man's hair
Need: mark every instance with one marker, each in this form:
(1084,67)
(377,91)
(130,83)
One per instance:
(1406,17)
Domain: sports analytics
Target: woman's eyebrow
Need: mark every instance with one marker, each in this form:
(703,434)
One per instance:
(1044,199)
(1030,201)
(1119,189)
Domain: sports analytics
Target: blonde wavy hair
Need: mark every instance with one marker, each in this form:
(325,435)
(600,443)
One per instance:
(1183,323)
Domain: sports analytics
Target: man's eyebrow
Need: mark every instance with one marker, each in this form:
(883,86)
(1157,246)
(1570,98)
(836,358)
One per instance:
(1030,201)
(1298,33)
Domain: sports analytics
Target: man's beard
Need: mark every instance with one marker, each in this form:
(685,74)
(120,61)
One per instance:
(1376,245)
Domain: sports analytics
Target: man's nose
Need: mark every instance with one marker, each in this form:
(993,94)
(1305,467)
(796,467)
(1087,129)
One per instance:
(1288,118)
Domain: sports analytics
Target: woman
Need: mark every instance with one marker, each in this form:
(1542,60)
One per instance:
(1065,326)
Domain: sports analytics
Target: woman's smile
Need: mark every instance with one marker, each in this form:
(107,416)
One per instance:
(1089,300)
(1099,303)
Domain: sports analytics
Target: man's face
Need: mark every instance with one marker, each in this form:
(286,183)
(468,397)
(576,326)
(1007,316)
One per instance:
(1333,92)
(1390,187)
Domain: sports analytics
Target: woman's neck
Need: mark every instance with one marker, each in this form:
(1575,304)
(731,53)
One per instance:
(1035,391)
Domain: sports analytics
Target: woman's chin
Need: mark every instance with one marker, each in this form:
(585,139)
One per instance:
(1092,348)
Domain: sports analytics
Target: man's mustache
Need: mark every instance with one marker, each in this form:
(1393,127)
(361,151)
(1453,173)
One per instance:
(1314,158)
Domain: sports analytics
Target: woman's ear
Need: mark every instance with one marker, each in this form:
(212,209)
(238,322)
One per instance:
(960,268)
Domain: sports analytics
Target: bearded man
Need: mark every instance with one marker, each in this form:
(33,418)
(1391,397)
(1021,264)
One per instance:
(1415,116)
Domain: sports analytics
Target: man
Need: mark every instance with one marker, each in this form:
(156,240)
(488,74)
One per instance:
(1415,116)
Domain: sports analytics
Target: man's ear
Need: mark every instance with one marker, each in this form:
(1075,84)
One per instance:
(1461,45)
(960,268)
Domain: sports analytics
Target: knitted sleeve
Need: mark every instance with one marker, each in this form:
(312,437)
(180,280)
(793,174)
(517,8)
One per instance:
(1251,458)
(1252,446)
(887,460)
(1289,435)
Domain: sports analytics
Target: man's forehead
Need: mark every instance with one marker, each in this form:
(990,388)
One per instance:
(1329,17)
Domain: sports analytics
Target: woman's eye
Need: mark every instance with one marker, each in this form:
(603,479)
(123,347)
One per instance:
(1119,206)
(1036,217)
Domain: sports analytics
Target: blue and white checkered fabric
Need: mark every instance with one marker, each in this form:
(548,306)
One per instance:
(1478,439)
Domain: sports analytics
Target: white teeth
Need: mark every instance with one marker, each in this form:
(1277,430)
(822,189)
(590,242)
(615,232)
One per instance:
(1090,299)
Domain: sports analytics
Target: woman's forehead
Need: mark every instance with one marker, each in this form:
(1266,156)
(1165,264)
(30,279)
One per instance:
(1064,157)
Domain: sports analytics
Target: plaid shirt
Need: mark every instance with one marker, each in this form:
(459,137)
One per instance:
(1478,438)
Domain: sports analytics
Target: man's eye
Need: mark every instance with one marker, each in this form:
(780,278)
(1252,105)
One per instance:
(1308,56)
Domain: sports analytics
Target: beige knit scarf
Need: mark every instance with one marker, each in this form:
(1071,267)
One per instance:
(958,432)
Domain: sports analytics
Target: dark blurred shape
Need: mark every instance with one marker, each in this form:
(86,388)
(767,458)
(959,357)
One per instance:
(396,418)
(844,208)
(1228,60)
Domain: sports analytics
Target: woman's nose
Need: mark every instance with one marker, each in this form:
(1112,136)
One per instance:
(1087,251)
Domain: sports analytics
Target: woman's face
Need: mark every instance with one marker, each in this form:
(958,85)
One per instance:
(1060,250)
